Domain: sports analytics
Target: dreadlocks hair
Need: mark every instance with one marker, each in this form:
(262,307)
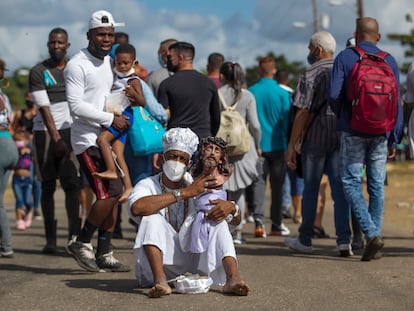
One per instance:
(224,168)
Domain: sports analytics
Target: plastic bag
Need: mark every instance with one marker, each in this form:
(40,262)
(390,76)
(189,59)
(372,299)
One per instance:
(193,284)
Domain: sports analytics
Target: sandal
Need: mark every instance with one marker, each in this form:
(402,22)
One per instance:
(319,232)
(297,219)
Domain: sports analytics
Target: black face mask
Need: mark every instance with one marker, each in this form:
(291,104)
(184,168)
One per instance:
(313,57)
(29,104)
(96,51)
(57,57)
(170,66)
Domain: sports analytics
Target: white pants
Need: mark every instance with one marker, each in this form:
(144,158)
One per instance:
(177,260)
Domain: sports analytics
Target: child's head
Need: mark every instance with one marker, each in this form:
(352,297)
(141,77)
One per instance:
(125,58)
(22,138)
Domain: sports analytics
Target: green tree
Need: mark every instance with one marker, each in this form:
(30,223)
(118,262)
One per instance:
(405,40)
(15,87)
(295,69)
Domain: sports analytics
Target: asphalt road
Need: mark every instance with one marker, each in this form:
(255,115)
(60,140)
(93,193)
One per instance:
(279,279)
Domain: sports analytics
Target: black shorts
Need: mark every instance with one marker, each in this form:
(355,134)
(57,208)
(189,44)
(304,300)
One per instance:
(91,161)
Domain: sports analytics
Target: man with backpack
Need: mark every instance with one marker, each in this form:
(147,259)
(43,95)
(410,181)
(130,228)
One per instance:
(370,122)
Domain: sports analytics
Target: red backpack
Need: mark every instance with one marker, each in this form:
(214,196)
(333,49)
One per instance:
(373,90)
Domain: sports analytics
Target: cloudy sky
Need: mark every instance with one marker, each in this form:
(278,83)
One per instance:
(240,29)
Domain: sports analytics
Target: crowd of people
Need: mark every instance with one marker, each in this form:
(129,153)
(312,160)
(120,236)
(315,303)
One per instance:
(188,203)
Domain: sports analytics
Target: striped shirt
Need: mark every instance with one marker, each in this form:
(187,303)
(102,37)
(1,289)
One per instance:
(311,94)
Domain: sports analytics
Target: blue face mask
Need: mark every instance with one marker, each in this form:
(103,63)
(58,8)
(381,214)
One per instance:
(161,61)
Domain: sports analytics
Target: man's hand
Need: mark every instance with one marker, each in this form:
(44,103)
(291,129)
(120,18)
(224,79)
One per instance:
(291,158)
(120,123)
(392,152)
(62,150)
(200,185)
(220,211)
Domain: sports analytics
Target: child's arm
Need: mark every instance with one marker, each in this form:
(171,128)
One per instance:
(134,93)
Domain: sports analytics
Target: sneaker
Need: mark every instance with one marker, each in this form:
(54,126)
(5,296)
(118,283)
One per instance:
(37,215)
(7,254)
(357,244)
(345,250)
(49,249)
(28,219)
(284,231)
(296,245)
(20,225)
(373,246)
(250,219)
(84,255)
(239,241)
(260,232)
(109,262)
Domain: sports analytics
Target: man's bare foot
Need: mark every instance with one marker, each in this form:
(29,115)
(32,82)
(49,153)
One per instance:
(159,290)
(239,288)
(106,175)
(125,195)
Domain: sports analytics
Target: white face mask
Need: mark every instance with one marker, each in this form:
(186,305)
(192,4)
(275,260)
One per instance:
(174,170)
(125,74)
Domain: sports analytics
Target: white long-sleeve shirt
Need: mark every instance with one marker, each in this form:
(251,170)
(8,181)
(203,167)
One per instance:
(88,82)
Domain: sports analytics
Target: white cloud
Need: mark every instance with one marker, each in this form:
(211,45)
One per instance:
(238,31)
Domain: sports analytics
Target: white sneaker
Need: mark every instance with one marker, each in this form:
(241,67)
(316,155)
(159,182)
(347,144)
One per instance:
(296,245)
(345,250)
(285,230)
(250,219)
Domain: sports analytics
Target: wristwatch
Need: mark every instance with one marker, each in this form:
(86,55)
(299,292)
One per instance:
(229,218)
(177,194)
(237,212)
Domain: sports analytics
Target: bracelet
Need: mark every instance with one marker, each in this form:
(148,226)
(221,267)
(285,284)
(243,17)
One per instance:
(237,212)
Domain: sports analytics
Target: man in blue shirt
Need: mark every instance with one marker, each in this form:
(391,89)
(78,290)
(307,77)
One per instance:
(357,149)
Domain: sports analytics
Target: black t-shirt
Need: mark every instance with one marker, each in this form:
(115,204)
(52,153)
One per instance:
(193,101)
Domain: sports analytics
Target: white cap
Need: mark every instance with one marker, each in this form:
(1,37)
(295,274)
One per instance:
(103,19)
(182,139)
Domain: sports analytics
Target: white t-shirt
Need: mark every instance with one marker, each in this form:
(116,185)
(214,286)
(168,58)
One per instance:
(88,82)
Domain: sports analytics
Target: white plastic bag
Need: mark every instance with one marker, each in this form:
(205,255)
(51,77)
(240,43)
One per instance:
(193,284)
(116,103)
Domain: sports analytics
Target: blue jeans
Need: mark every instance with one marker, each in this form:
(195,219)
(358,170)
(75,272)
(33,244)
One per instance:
(355,152)
(22,188)
(316,161)
(286,197)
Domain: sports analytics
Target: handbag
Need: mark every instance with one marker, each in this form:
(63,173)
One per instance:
(145,134)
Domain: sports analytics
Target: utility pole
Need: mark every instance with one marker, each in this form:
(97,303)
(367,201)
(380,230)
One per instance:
(360,7)
(315,15)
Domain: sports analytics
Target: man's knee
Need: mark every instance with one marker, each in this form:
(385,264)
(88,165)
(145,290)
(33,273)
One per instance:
(70,183)
(48,186)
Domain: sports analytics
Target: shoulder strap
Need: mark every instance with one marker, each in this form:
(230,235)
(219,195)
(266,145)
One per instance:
(361,52)
(223,102)
(358,50)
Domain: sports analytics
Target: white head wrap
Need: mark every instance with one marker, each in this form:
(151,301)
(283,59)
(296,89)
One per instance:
(182,139)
